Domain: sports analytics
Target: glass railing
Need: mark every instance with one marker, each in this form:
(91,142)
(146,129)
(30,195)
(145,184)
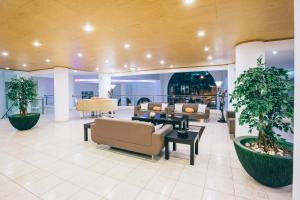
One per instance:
(37,105)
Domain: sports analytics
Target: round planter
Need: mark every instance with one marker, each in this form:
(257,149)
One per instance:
(272,171)
(24,122)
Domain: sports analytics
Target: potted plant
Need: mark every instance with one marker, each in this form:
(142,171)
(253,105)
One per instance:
(261,95)
(21,92)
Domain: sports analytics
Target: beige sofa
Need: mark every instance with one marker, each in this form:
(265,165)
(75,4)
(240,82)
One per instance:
(230,117)
(97,105)
(134,136)
(139,112)
(194,115)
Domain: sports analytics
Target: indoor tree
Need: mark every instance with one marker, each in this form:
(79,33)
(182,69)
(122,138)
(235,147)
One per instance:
(261,95)
(21,92)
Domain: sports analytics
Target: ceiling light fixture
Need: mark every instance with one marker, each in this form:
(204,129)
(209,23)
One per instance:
(171,66)
(209,57)
(206,48)
(88,28)
(47,60)
(36,43)
(212,63)
(79,55)
(201,33)
(106,61)
(274,52)
(148,56)
(125,66)
(7,68)
(126,46)
(24,65)
(75,71)
(189,2)
(4,53)
(97,69)
(162,62)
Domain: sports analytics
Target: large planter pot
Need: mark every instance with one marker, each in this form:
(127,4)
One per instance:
(24,122)
(272,171)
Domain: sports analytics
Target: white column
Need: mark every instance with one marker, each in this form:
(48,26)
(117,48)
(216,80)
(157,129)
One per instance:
(71,91)
(2,93)
(104,85)
(245,58)
(123,92)
(61,94)
(231,78)
(296,171)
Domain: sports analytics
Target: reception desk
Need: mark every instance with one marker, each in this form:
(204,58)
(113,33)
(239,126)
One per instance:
(96,105)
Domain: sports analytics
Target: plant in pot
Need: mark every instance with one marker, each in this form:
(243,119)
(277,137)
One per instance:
(21,92)
(261,95)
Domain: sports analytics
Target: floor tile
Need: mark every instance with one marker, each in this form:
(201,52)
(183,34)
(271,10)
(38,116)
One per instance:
(148,195)
(161,185)
(123,191)
(183,191)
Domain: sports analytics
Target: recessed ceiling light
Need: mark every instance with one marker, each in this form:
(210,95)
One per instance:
(209,57)
(162,62)
(106,61)
(7,68)
(201,33)
(126,46)
(206,48)
(75,71)
(148,55)
(36,43)
(88,27)
(4,53)
(125,66)
(139,69)
(188,2)
(212,63)
(274,52)
(48,60)
(171,66)
(79,54)
(97,69)
(24,65)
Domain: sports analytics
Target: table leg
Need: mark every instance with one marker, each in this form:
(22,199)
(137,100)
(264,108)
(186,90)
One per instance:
(187,122)
(174,146)
(166,149)
(85,133)
(196,148)
(180,126)
(192,153)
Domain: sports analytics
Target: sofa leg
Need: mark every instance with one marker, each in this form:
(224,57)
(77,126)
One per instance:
(152,157)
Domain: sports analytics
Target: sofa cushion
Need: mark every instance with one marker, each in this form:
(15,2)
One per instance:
(189,110)
(164,106)
(178,107)
(201,108)
(156,108)
(144,106)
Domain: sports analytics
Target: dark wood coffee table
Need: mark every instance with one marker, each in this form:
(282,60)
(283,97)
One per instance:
(162,119)
(192,139)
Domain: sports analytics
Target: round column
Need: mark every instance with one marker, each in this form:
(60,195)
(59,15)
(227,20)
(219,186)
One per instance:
(231,78)
(61,94)
(246,55)
(104,85)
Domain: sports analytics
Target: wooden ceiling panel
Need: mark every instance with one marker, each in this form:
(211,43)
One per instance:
(167,29)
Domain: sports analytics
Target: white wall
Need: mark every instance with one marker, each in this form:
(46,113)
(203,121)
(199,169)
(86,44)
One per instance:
(79,87)
(296,175)
(45,86)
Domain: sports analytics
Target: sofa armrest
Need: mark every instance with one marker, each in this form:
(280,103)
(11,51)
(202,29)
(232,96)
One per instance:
(158,137)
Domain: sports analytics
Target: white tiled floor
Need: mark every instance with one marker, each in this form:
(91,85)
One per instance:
(51,161)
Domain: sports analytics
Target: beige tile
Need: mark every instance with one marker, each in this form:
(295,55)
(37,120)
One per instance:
(45,184)
(183,191)
(22,195)
(123,191)
(119,171)
(220,184)
(85,195)
(8,189)
(62,191)
(32,177)
(197,178)
(139,177)
(148,195)
(102,186)
(249,190)
(84,177)
(161,185)
(215,195)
